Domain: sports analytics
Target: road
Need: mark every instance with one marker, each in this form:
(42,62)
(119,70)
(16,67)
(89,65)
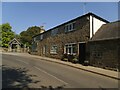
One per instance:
(26,71)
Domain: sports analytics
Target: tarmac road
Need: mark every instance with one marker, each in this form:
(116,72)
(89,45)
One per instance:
(23,71)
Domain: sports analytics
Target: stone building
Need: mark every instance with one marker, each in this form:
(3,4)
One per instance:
(14,46)
(105,45)
(70,37)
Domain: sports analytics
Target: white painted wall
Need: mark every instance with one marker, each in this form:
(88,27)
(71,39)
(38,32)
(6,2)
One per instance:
(96,25)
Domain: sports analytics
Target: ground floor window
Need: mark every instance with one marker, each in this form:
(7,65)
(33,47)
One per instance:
(53,49)
(34,47)
(44,49)
(70,48)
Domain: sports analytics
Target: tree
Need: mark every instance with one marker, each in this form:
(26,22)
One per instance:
(0,35)
(6,34)
(26,36)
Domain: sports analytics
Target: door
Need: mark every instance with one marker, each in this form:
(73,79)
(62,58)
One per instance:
(82,52)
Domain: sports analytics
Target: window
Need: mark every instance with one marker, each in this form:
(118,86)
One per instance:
(70,27)
(34,47)
(41,37)
(44,49)
(54,32)
(34,38)
(53,49)
(70,49)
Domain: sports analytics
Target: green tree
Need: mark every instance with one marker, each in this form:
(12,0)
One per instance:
(0,35)
(26,36)
(6,34)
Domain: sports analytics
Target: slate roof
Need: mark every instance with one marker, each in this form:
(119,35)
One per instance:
(108,31)
(14,39)
(88,14)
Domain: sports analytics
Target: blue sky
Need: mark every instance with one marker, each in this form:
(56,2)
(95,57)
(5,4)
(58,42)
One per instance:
(22,15)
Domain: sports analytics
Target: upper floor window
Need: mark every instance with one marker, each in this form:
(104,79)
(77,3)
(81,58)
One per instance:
(70,27)
(54,32)
(41,36)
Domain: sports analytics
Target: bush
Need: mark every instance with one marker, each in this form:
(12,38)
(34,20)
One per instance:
(70,58)
(75,59)
(64,57)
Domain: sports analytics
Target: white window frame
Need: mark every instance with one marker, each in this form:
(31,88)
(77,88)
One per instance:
(53,49)
(54,32)
(34,38)
(70,45)
(41,36)
(44,49)
(68,26)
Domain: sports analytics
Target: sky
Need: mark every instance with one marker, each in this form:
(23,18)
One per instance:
(22,15)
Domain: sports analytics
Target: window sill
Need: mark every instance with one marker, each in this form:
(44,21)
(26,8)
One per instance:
(70,31)
(53,53)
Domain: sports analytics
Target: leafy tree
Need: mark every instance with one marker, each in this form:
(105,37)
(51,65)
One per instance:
(26,36)
(6,34)
(0,35)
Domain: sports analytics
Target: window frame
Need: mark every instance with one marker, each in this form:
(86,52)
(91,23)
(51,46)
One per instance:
(44,49)
(54,49)
(70,27)
(41,37)
(54,32)
(69,48)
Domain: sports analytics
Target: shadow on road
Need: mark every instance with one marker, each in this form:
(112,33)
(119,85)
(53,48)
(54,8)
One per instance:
(16,78)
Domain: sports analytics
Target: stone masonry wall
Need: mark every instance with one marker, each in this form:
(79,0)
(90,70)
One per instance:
(80,34)
(104,53)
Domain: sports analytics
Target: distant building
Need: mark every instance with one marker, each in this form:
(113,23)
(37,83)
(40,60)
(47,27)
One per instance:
(70,37)
(14,45)
(104,47)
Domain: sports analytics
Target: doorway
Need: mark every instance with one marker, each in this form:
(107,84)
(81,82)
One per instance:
(14,47)
(82,52)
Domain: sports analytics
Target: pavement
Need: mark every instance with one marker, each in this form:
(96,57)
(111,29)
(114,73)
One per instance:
(95,70)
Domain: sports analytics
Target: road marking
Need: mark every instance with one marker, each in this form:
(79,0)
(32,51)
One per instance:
(22,61)
(50,75)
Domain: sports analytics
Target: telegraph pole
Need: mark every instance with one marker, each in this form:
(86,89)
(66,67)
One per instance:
(43,24)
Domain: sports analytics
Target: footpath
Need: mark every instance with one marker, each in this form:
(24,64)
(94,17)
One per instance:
(95,70)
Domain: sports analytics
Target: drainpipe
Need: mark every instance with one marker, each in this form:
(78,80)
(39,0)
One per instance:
(92,27)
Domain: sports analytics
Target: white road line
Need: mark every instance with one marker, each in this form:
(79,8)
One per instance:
(50,75)
(22,61)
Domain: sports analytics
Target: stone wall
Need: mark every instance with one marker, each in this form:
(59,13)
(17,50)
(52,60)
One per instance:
(104,53)
(80,34)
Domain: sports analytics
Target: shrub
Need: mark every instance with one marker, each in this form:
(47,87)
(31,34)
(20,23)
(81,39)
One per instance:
(64,57)
(70,57)
(75,59)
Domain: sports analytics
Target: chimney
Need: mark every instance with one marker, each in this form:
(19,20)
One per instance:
(42,29)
